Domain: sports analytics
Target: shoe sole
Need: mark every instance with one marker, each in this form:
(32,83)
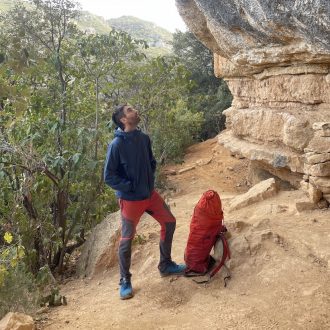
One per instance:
(171,274)
(127,297)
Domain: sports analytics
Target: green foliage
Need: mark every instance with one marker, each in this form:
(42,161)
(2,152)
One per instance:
(56,88)
(11,255)
(197,58)
(176,130)
(57,85)
(139,239)
(52,185)
(158,88)
(18,291)
(153,52)
(209,95)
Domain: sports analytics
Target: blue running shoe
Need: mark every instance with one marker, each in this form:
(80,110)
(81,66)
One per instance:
(173,269)
(126,290)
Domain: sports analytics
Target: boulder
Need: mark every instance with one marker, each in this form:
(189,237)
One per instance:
(99,252)
(254,35)
(270,126)
(259,192)
(285,179)
(275,57)
(17,321)
(269,153)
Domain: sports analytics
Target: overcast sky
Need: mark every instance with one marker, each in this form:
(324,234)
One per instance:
(161,12)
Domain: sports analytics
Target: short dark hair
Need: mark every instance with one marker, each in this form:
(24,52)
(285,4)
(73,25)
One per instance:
(119,114)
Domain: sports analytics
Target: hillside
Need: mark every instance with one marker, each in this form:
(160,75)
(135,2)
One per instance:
(140,29)
(279,266)
(5,5)
(93,24)
(158,39)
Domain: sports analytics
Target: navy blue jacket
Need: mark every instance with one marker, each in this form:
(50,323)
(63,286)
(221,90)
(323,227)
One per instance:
(130,165)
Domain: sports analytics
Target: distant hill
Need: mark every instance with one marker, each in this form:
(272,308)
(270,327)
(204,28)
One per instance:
(158,39)
(140,29)
(5,5)
(91,23)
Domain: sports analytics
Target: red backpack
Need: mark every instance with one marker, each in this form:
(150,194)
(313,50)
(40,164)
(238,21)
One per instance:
(206,231)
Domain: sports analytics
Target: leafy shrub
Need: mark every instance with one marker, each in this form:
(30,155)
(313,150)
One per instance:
(18,289)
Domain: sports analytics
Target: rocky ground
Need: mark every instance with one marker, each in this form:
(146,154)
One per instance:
(280,263)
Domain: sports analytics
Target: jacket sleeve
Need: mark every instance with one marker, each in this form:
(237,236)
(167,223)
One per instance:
(111,176)
(153,161)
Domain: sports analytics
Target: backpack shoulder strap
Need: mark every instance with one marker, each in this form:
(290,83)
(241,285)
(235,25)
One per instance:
(225,255)
(221,263)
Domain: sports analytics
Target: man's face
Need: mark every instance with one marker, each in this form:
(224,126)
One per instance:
(131,116)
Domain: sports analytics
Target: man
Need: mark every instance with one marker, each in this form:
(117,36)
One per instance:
(129,169)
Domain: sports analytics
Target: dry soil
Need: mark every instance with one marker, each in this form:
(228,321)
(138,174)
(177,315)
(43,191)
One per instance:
(280,263)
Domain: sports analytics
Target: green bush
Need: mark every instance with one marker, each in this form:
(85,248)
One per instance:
(18,292)
(18,289)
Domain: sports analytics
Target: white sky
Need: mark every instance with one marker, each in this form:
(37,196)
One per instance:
(161,12)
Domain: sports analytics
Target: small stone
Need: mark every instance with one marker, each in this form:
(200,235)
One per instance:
(326,197)
(183,170)
(323,204)
(43,310)
(304,185)
(170,172)
(257,193)
(315,194)
(305,205)
(306,177)
(321,183)
(202,162)
(324,127)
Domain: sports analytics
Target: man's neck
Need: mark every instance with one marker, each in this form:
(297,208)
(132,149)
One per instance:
(129,129)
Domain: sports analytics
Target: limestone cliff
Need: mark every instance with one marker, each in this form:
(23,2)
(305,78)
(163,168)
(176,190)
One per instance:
(275,57)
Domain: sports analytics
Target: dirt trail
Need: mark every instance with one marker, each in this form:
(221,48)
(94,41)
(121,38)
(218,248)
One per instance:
(280,265)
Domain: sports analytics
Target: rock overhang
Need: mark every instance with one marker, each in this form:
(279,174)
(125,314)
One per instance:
(275,57)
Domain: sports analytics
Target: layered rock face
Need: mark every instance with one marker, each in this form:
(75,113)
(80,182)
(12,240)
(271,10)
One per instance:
(275,57)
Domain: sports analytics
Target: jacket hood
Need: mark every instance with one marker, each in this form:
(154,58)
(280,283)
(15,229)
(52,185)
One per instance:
(126,135)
